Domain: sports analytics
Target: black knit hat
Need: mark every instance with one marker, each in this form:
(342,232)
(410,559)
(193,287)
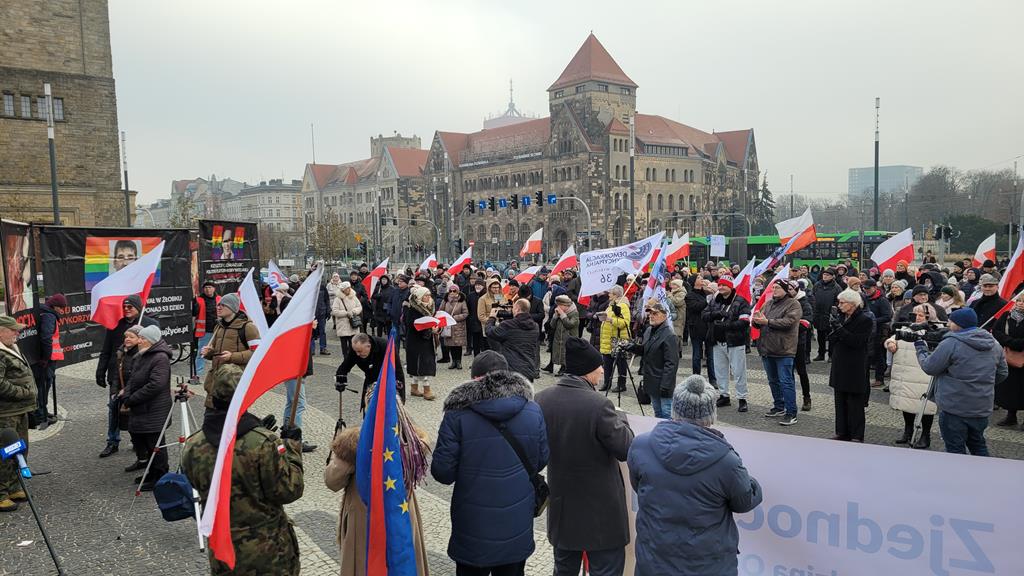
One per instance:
(134,301)
(581,358)
(488,361)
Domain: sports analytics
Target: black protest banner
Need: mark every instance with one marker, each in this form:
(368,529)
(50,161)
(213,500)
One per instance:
(74,260)
(19,282)
(226,252)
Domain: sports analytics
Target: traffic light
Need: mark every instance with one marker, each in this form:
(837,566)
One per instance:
(362,246)
(540,199)
(490,204)
(471,207)
(515,201)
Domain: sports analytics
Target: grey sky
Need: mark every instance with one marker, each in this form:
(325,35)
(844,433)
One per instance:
(230,87)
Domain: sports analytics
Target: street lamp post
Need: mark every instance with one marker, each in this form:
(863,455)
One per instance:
(632,178)
(586,209)
(53,152)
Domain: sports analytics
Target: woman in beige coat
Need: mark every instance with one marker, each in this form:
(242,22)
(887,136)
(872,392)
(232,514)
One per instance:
(345,307)
(340,474)
(909,383)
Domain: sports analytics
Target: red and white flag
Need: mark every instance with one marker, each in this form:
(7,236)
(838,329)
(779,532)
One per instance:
(465,260)
(136,278)
(802,228)
(766,295)
(678,249)
(986,251)
(890,252)
(439,320)
(370,282)
(533,243)
(429,264)
(527,274)
(568,260)
(283,355)
(741,283)
(252,306)
(1014,274)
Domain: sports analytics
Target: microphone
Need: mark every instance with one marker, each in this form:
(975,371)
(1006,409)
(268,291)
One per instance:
(14,447)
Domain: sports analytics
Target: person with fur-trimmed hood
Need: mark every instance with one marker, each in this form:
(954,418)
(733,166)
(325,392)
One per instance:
(492,507)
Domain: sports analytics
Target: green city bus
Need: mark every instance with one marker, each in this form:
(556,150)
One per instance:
(829,250)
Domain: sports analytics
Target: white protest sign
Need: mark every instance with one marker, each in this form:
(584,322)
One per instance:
(717,246)
(864,509)
(599,269)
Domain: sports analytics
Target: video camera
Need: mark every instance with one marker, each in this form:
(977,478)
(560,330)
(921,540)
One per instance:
(504,310)
(622,346)
(341,382)
(931,333)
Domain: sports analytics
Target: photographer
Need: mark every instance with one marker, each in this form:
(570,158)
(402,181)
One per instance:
(966,365)
(367,352)
(659,358)
(728,319)
(849,338)
(519,338)
(908,381)
(614,326)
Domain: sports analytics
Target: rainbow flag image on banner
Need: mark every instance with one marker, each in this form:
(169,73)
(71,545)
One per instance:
(235,239)
(105,254)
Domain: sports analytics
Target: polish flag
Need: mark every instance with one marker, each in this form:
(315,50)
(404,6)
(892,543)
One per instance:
(1011,302)
(461,262)
(430,263)
(136,278)
(1011,279)
(678,249)
(253,307)
(370,282)
(986,251)
(766,295)
(568,260)
(439,320)
(533,243)
(283,357)
(527,274)
(802,228)
(741,283)
(899,247)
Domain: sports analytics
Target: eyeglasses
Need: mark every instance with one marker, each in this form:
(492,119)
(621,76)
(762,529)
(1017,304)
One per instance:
(128,307)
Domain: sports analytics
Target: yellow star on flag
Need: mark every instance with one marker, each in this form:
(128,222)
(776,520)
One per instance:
(404,506)
(389,484)
(389,455)
(395,429)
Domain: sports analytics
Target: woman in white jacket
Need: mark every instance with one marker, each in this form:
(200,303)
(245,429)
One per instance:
(909,382)
(345,307)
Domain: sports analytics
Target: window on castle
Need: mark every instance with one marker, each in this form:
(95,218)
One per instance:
(625,90)
(673,174)
(577,172)
(617,172)
(602,87)
(670,202)
(559,93)
(41,107)
(58,109)
(648,202)
(654,174)
(26,107)
(667,174)
(661,202)
(579,89)
(8,104)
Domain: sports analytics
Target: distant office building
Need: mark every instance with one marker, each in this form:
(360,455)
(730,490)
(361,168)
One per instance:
(891,179)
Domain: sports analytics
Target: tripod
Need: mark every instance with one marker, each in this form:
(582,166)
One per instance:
(617,355)
(181,397)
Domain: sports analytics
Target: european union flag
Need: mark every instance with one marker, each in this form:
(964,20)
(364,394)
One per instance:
(381,480)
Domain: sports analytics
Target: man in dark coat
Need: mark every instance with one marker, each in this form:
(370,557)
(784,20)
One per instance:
(148,396)
(990,301)
(493,501)
(367,352)
(588,500)
(519,338)
(824,294)
(106,368)
(659,359)
(477,342)
(696,301)
(398,296)
(849,339)
(881,309)
(323,311)
(44,369)
(728,319)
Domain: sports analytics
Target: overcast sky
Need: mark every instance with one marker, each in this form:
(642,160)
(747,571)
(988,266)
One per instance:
(231,87)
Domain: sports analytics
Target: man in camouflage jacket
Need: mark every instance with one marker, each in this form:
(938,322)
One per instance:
(266,475)
(17,399)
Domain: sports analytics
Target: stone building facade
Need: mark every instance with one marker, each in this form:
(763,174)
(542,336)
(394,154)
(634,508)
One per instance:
(684,178)
(65,43)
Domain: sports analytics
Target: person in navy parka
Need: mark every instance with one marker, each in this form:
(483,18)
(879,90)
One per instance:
(689,481)
(493,501)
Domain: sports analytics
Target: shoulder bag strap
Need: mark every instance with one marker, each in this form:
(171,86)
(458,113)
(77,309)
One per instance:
(516,446)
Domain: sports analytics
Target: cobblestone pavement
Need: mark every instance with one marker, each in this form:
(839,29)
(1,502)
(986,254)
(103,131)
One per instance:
(99,528)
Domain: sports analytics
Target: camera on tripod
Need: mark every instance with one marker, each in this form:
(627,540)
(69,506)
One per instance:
(929,332)
(341,382)
(622,346)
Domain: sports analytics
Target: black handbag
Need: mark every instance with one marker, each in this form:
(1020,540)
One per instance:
(353,321)
(540,484)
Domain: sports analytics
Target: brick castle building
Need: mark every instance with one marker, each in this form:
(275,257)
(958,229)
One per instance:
(67,44)
(684,178)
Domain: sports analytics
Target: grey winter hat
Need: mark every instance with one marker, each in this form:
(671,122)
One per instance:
(134,301)
(488,361)
(231,302)
(151,334)
(694,401)
(988,279)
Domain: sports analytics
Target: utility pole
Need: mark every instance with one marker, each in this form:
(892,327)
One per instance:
(877,104)
(791,197)
(53,152)
(632,178)
(124,165)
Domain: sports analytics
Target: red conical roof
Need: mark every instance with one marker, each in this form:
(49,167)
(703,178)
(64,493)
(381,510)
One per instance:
(592,62)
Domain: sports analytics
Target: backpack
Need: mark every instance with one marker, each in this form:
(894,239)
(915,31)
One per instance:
(174,496)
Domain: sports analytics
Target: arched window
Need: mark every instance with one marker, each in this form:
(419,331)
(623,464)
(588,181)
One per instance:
(481,233)
(577,172)
(673,174)
(667,175)
(682,204)
(661,202)
(617,173)
(618,202)
(648,202)
(691,176)
(524,230)
(495,232)
(671,202)
(510,232)
(654,174)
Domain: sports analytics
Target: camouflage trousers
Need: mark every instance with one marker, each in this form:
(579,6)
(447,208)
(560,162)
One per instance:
(9,482)
(269,549)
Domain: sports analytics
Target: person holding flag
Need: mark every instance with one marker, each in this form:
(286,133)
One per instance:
(728,319)
(1009,332)
(779,322)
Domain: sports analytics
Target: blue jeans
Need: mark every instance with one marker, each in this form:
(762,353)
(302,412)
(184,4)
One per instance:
(662,407)
(780,379)
(962,434)
(321,329)
(288,398)
(702,349)
(200,361)
(113,426)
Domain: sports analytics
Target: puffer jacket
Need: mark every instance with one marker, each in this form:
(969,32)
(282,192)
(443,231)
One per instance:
(689,482)
(344,308)
(825,294)
(148,393)
(519,338)
(617,324)
(728,320)
(779,338)
(17,387)
(492,503)
(909,382)
(967,365)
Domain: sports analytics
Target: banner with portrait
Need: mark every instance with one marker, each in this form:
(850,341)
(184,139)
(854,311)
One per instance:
(16,247)
(74,260)
(226,252)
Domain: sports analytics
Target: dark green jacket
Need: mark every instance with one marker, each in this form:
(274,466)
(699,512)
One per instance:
(17,388)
